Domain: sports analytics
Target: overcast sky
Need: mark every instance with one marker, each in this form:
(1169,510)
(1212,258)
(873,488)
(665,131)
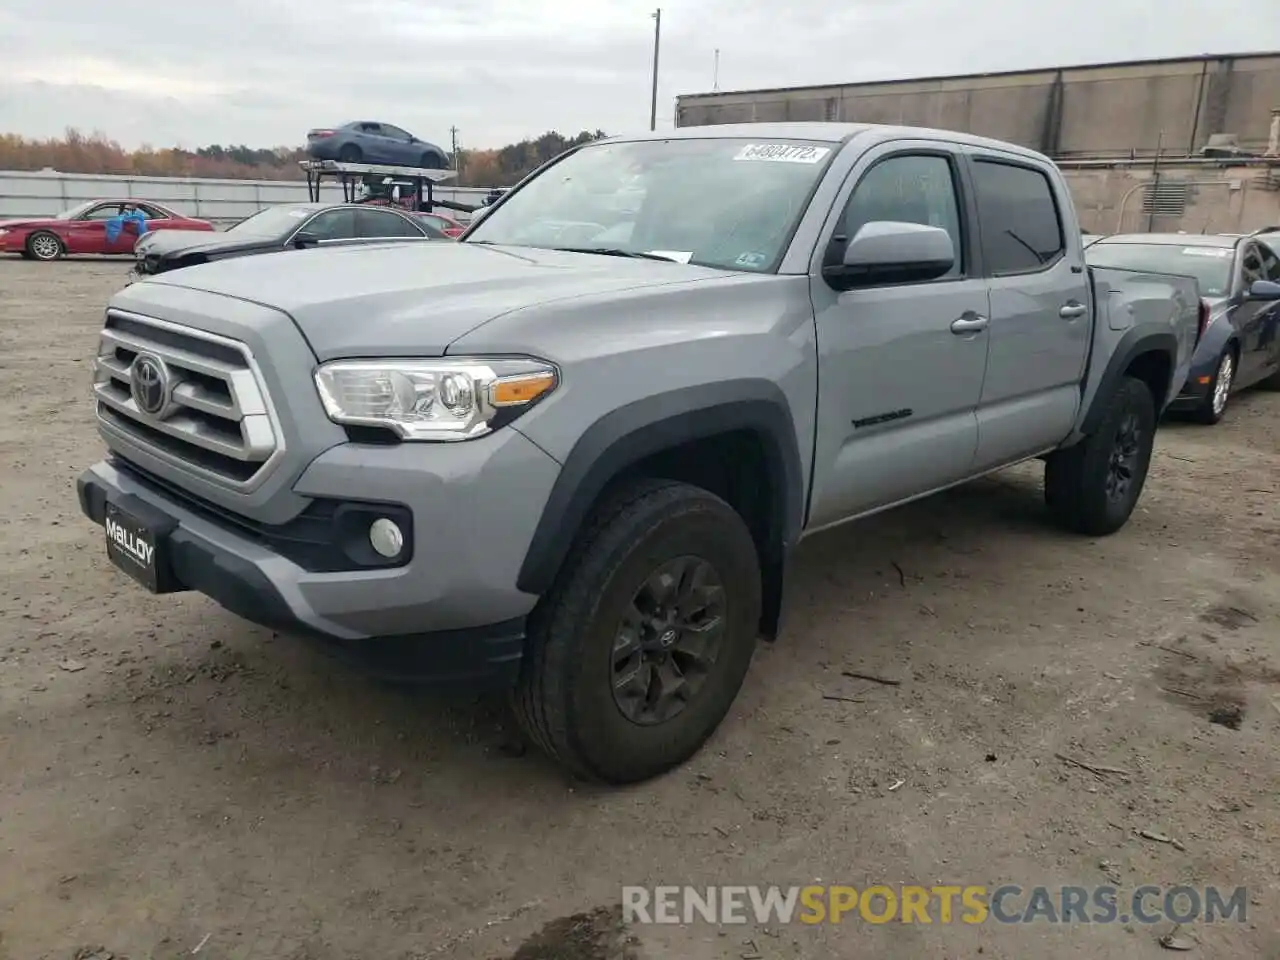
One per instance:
(260,72)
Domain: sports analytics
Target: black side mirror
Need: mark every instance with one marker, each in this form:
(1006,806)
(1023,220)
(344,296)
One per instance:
(301,240)
(1263,290)
(887,251)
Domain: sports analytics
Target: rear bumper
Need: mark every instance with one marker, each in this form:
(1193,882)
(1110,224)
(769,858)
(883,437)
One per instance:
(324,149)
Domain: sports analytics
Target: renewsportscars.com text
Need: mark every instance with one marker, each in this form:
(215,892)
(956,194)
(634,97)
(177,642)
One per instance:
(941,904)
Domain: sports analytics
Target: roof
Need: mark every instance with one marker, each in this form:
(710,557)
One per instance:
(795,130)
(1029,71)
(1174,239)
(825,132)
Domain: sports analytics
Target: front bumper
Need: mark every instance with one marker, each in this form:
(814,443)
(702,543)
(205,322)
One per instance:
(451,613)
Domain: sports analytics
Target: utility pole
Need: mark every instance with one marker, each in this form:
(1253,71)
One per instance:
(657,40)
(715,75)
(453,132)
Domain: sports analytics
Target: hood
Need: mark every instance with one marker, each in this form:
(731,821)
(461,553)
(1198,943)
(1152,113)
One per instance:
(416,298)
(28,222)
(160,243)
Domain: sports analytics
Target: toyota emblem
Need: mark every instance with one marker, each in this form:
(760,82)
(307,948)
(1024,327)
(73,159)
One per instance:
(149,384)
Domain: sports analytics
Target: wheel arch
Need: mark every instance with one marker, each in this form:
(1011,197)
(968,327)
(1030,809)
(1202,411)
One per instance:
(1148,355)
(735,438)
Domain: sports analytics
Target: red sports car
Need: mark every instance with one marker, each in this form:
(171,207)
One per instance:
(446,225)
(83,229)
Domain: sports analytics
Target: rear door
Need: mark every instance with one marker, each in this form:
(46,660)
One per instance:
(375,145)
(1040,307)
(900,365)
(400,145)
(373,224)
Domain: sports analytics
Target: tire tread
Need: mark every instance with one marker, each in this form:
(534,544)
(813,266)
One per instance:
(540,700)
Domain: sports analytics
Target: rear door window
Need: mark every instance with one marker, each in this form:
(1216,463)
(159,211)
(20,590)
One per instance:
(1018,217)
(380,223)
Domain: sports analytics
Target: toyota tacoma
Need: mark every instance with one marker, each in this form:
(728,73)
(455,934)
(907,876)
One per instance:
(574,452)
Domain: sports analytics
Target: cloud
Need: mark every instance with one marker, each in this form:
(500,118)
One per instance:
(263,71)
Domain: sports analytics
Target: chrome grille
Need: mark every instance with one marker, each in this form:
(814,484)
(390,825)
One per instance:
(210,410)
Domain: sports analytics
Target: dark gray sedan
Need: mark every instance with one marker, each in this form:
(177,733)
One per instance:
(1239,280)
(286,227)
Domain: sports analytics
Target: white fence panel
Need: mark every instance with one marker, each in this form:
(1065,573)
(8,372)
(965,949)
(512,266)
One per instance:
(43,193)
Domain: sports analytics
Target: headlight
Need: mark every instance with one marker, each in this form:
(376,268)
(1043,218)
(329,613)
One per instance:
(432,399)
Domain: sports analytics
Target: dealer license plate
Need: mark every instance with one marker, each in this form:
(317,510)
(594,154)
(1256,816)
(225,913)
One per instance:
(133,547)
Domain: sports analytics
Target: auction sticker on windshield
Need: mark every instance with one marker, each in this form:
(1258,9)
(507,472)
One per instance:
(782,153)
(1220,252)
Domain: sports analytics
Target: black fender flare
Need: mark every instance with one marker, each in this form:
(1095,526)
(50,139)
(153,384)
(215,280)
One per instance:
(627,435)
(1134,343)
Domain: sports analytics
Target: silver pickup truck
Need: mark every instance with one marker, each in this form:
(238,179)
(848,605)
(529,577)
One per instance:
(574,452)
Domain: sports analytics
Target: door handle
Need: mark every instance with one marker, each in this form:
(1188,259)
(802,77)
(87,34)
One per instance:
(1072,310)
(969,323)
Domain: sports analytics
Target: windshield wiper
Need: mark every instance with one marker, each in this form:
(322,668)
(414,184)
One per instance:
(1034,252)
(616,252)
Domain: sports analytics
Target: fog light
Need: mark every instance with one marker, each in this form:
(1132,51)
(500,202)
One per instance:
(386,538)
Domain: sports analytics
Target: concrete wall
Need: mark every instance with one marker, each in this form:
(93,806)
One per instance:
(1218,199)
(26,194)
(1095,111)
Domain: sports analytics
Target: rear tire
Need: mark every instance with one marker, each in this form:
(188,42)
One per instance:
(663,583)
(432,161)
(1213,406)
(350,153)
(1093,487)
(45,246)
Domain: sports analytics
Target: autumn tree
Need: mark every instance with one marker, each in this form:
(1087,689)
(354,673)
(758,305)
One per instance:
(96,153)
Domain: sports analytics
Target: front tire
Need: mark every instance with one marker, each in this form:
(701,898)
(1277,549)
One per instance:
(1214,404)
(432,161)
(640,648)
(1093,487)
(45,246)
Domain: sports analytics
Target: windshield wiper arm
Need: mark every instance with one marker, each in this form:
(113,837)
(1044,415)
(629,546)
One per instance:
(1034,252)
(616,252)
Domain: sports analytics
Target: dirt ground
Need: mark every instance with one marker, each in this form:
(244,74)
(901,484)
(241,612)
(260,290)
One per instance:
(174,781)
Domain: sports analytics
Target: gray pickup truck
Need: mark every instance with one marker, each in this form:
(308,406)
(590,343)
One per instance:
(574,452)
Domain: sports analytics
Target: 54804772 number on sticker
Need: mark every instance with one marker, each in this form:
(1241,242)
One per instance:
(782,153)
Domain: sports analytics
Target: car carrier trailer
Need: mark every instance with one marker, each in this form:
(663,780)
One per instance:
(352,176)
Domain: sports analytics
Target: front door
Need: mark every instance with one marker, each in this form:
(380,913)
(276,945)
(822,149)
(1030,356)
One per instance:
(1255,320)
(899,379)
(1040,309)
(88,232)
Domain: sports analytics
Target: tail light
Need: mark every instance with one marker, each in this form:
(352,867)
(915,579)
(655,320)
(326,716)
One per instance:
(319,134)
(1204,319)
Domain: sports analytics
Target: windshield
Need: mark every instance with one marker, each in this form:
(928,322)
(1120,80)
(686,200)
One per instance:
(1211,266)
(271,222)
(730,203)
(75,211)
